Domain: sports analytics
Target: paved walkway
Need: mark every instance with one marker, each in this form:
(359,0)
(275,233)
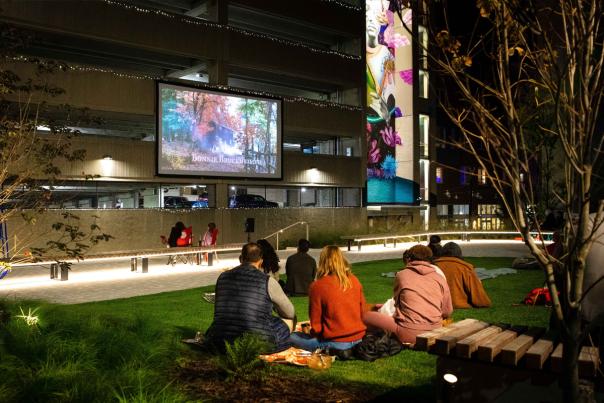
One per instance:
(113,280)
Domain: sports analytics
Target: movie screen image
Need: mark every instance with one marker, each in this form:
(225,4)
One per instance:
(207,133)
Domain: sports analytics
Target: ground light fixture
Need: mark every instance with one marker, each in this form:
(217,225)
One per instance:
(448,393)
(107,157)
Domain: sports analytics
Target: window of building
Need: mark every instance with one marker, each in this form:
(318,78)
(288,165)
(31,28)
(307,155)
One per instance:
(464,175)
(439,175)
(423,85)
(461,209)
(424,135)
(348,147)
(424,179)
(423,46)
(349,197)
(325,147)
(442,210)
(481,176)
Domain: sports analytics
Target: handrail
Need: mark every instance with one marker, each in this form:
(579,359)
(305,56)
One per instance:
(464,236)
(280,231)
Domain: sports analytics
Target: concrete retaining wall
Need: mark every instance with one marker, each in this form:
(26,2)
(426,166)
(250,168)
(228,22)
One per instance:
(141,228)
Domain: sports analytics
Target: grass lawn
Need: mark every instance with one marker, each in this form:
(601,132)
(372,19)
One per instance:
(126,350)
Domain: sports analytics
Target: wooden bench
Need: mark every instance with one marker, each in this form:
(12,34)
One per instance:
(135,255)
(418,237)
(492,361)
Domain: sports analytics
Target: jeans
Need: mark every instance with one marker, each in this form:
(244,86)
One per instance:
(309,343)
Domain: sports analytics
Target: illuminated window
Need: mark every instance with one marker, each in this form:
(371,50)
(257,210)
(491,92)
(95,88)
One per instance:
(481,176)
(423,46)
(461,209)
(424,135)
(424,183)
(439,175)
(423,84)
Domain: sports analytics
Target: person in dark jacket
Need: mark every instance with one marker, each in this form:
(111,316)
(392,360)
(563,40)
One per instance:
(435,245)
(245,299)
(270,260)
(176,233)
(301,269)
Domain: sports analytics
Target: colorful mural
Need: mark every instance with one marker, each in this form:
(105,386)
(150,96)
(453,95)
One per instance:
(389,105)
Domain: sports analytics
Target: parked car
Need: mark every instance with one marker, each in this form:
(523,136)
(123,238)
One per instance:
(200,203)
(250,201)
(177,202)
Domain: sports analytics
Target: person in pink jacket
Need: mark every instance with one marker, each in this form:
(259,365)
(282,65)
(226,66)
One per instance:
(421,298)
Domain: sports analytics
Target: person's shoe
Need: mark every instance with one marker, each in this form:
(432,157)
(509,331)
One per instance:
(209,297)
(343,355)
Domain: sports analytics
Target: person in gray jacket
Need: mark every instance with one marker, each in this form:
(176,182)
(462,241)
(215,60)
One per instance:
(301,269)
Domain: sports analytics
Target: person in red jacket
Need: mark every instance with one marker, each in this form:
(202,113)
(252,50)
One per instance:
(336,304)
(421,298)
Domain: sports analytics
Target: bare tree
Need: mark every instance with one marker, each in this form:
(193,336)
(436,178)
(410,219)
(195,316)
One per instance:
(521,58)
(35,139)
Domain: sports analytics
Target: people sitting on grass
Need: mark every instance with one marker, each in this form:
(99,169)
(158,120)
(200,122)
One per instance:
(435,245)
(336,304)
(301,269)
(421,298)
(270,260)
(244,303)
(465,286)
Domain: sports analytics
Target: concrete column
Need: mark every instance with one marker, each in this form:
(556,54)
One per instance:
(222,195)
(218,11)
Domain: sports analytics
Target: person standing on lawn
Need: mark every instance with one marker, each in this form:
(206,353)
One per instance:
(301,269)
(245,299)
(465,286)
(336,304)
(421,298)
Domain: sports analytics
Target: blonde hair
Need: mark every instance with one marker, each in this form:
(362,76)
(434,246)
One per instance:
(332,262)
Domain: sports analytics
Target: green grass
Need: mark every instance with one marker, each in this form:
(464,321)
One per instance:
(125,350)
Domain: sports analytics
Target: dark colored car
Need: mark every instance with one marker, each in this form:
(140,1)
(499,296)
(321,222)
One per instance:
(177,202)
(250,201)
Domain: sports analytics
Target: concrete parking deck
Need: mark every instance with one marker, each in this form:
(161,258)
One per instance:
(113,280)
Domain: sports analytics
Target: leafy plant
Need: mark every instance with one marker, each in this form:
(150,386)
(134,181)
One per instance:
(241,356)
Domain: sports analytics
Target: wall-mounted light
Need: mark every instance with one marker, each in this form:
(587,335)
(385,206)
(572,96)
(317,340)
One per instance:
(107,157)
(303,189)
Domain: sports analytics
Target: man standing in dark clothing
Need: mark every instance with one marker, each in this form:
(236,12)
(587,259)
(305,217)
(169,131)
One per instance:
(245,298)
(301,269)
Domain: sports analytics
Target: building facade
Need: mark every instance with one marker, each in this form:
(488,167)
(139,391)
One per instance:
(310,54)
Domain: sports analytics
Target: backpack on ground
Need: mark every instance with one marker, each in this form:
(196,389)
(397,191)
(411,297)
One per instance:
(377,345)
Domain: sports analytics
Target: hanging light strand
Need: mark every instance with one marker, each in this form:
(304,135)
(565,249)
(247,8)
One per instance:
(211,24)
(93,69)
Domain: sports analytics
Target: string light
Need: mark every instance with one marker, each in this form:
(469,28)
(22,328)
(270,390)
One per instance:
(93,69)
(343,5)
(206,23)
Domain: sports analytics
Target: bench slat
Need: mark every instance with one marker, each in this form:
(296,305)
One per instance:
(444,344)
(491,348)
(466,347)
(512,352)
(424,341)
(538,353)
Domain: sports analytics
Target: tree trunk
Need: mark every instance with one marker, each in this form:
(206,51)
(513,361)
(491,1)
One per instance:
(571,339)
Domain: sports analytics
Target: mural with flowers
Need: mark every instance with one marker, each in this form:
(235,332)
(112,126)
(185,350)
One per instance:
(384,142)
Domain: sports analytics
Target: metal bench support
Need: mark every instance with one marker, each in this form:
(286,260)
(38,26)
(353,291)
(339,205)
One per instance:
(145,264)
(211,258)
(54,271)
(64,272)
(133,263)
